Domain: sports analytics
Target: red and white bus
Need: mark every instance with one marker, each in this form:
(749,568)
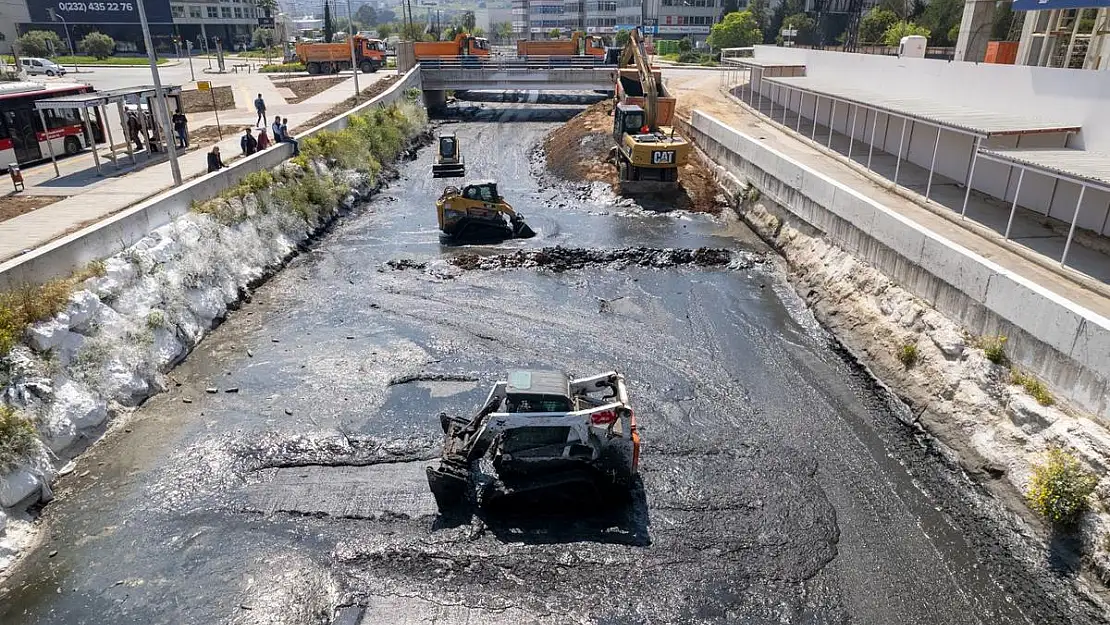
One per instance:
(22,137)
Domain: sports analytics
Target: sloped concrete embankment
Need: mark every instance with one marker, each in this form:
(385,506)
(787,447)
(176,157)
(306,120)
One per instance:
(122,331)
(881,283)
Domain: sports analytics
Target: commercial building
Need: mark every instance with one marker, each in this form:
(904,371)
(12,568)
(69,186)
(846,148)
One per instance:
(674,18)
(171,22)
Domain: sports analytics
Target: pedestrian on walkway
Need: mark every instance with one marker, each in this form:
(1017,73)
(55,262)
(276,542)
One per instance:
(214,161)
(248,142)
(263,140)
(276,128)
(181,129)
(285,136)
(134,128)
(260,107)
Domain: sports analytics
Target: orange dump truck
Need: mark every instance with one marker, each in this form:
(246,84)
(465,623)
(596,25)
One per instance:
(462,45)
(630,91)
(329,58)
(577,45)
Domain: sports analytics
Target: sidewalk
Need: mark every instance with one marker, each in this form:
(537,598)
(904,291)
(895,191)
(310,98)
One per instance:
(94,197)
(703,92)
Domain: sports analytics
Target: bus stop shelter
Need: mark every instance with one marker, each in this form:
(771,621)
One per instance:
(89,105)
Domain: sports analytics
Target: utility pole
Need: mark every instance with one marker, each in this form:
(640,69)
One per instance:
(69,40)
(160,97)
(351,37)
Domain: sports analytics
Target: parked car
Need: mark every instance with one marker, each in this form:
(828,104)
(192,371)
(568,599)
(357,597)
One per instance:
(35,65)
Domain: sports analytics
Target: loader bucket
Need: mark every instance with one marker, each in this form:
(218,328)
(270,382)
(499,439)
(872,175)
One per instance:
(448,170)
(521,230)
(448,487)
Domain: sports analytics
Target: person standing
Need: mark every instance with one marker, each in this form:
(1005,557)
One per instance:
(181,129)
(260,107)
(248,143)
(215,163)
(263,140)
(135,129)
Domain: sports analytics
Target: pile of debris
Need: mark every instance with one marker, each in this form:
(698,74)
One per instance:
(568,258)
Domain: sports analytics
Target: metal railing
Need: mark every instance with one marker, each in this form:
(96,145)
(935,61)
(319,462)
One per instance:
(502,63)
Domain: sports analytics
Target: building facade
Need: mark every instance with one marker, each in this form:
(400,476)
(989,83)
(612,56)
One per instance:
(1074,38)
(232,21)
(675,18)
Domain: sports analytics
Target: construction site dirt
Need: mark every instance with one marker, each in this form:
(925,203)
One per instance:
(779,482)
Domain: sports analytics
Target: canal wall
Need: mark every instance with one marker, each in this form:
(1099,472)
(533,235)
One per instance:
(913,307)
(168,271)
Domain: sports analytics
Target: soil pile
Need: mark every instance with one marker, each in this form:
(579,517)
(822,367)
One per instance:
(567,258)
(579,151)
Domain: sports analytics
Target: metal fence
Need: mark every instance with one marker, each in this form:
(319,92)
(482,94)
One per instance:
(503,63)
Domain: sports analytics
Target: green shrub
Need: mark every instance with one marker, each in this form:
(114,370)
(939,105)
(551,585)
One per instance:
(17,437)
(97,45)
(40,43)
(283,67)
(1060,488)
(994,348)
(907,355)
(1033,386)
(690,56)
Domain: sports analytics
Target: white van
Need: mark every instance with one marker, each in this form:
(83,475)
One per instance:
(35,65)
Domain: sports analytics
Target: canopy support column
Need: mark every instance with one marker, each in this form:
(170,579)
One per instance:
(932,165)
(50,145)
(970,175)
(1074,218)
(1013,209)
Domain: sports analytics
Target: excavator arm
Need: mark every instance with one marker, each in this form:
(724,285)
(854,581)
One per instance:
(634,53)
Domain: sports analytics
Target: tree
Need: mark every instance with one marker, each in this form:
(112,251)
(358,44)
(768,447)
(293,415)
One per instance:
(503,31)
(478,31)
(384,30)
(367,15)
(685,45)
(940,16)
(901,8)
(98,45)
(468,21)
(758,10)
(805,26)
(893,35)
(329,26)
(262,37)
(554,33)
(622,38)
(40,43)
(873,25)
(736,30)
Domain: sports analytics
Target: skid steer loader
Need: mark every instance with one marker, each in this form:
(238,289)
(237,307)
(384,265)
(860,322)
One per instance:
(449,160)
(547,438)
(478,212)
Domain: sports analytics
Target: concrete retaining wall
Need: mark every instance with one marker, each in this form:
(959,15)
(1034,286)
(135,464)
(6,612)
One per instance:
(107,237)
(1060,342)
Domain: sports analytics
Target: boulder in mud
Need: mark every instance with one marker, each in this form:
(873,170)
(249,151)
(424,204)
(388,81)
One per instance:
(1026,413)
(18,485)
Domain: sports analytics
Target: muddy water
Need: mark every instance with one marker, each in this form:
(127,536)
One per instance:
(779,484)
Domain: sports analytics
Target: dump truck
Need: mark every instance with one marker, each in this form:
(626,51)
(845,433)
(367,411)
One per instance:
(648,154)
(477,212)
(630,90)
(548,438)
(462,45)
(578,45)
(330,58)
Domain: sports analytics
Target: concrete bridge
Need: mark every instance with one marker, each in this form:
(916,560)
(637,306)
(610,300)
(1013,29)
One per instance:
(547,74)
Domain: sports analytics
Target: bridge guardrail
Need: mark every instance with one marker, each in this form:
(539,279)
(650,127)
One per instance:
(510,63)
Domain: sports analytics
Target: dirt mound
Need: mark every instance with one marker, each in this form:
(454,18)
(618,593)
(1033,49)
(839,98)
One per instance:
(578,151)
(568,258)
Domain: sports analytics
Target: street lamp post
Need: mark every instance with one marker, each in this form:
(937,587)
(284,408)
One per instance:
(351,37)
(163,110)
(69,40)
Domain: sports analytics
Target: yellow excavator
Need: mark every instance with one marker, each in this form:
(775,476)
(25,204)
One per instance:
(648,156)
(477,212)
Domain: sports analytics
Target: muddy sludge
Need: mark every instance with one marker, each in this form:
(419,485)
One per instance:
(559,259)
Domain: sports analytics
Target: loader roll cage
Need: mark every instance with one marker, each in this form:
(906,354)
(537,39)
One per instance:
(604,412)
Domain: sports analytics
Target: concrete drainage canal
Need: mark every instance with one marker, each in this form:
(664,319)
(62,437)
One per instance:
(779,484)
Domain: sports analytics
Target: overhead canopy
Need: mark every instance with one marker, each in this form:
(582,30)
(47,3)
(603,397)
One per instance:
(1048,5)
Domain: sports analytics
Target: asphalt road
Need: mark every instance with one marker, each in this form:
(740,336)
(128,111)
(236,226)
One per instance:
(779,483)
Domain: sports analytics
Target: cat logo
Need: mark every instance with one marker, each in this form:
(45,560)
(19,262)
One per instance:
(662,157)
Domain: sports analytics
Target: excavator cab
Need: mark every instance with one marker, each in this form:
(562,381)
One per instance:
(449,161)
(627,119)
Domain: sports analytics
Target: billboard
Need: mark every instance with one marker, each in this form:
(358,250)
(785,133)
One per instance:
(97,12)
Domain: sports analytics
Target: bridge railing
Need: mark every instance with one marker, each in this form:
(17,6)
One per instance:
(502,63)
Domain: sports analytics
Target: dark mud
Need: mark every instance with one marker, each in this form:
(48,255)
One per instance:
(567,259)
(779,483)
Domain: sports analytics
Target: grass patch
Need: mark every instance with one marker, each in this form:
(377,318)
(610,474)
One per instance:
(17,437)
(32,303)
(994,348)
(282,67)
(1060,488)
(92,60)
(907,355)
(1033,386)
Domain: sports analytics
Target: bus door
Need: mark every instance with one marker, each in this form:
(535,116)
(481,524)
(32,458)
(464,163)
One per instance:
(21,128)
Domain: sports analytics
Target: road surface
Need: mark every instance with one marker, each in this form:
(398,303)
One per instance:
(779,483)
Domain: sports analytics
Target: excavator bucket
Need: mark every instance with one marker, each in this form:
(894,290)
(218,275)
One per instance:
(521,230)
(448,170)
(448,484)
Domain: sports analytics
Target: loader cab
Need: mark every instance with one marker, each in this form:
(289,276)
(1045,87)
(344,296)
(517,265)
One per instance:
(448,147)
(538,391)
(484,191)
(627,119)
